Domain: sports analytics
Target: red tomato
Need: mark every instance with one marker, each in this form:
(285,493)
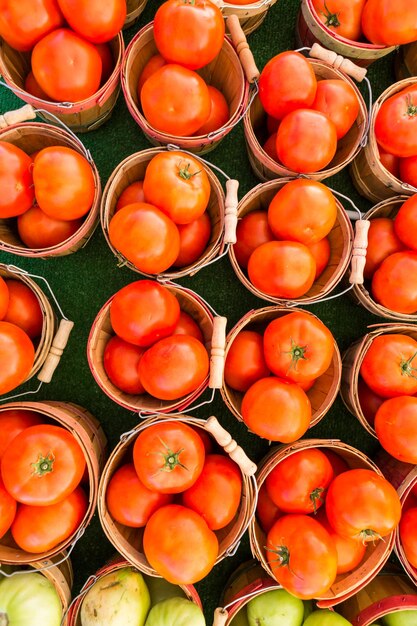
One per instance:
(23,24)
(338,464)
(32,87)
(363,505)
(145,236)
(338,100)
(42,465)
(128,500)
(39,230)
(16,182)
(64,183)
(350,552)
(272,124)
(164,105)
(382,241)
(276,409)
(302,210)
(217,491)
(219,114)
(94,20)
(4,297)
(405,223)
(7,510)
(369,401)
(408,170)
(132,194)
(266,511)
(408,536)
(389,23)
(306,141)
(66,67)
(252,231)
(284,269)
(270,147)
(343,17)
(38,529)
(174,367)
(321,252)
(287,83)
(302,556)
(394,284)
(12,422)
(194,238)
(298,346)
(24,309)
(17,355)
(107,61)
(144,312)
(179,545)
(188,326)
(396,123)
(396,428)
(168,456)
(245,362)
(390,162)
(189,33)
(207,440)
(150,68)
(121,361)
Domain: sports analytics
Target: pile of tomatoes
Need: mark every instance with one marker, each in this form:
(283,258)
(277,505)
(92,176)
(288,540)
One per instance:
(42,466)
(181,490)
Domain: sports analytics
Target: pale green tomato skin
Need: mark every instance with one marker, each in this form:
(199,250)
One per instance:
(400,618)
(324,617)
(275,608)
(120,598)
(29,600)
(175,612)
(160,589)
(241,618)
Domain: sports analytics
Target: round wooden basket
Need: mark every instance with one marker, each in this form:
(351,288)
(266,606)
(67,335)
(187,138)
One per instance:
(345,585)
(325,389)
(30,137)
(81,116)
(406,61)
(256,134)
(370,177)
(310,29)
(250,15)
(213,330)
(340,237)
(89,434)
(128,541)
(133,169)
(225,73)
(134,10)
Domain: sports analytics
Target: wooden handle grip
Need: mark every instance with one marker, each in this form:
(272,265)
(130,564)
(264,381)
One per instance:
(230,207)
(338,62)
(229,445)
(23,114)
(220,617)
(56,350)
(242,48)
(218,345)
(360,245)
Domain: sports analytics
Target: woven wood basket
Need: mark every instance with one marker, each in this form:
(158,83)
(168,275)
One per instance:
(406,61)
(256,134)
(128,541)
(310,29)
(325,389)
(134,10)
(81,116)
(370,177)
(345,585)
(89,434)
(250,15)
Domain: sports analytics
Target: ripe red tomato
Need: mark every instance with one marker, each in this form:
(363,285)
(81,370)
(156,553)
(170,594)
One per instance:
(189,33)
(252,231)
(267,512)
(287,83)
(369,401)
(32,87)
(306,141)
(24,309)
(154,63)
(188,326)
(298,483)
(168,456)
(350,552)
(389,23)
(219,114)
(174,367)
(179,545)
(164,105)
(217,491)
(408,535)
(405,223)
(4,297)
(394,284)
(128,500)
(23,24)
(302,556)
(382,241)
(396,428)
(95,21)
(12,422)
(38,529)
(302,210)
(284,269)
(132,194)
(321,252)
(177,183)
(276,409)
(145,236)
(270,147)
(16,181)
(17,355)
(298,346)
(338,100)
(64,183)
(272,124)
(390,162)
(7,510)
(39,230)
(363,505)
(144,312)
(194,238)
(343,17)
(408,170)
(245,362)
(396,123)
(121,361)
(66,66)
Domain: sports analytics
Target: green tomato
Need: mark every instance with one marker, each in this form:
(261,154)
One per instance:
(325,617)
(160,589)
(175,612)
(275,608)
(29,600)
(241,618)
(400,618)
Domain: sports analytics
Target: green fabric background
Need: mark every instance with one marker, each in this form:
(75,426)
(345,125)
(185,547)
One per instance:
(83,281)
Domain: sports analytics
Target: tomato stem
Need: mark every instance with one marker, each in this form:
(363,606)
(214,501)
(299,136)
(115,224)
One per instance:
(282,553)
(184,171)
(315,496)
(407,369)
(332,19)
(411,108)
(171,458)
(369,535)
(297,352)
(44,465)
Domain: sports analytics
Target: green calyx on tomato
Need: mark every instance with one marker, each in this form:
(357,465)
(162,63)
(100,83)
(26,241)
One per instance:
(184,171)
(411,108)
(44,464)
(407,369)
(171,459)
(331,18)
(297,352)
(282,553)
(315,497)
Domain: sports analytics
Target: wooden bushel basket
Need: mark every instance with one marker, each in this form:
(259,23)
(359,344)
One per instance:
(81,116)
(370,177)
(135,9)
(325,389)
(128,541)
(30,137)
(250,15)
(89,435)
(345,585)
(406,61)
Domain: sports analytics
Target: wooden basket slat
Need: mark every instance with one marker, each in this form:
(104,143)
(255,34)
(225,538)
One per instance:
(134,10)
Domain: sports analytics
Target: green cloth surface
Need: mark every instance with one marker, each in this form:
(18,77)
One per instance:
(83,281)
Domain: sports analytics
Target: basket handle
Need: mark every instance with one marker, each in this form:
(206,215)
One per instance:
(338,62)
(225,440)
(242,48)
(25,113)
(220,617)
(57,348)
(218,345)
(230,219)
(360,244)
